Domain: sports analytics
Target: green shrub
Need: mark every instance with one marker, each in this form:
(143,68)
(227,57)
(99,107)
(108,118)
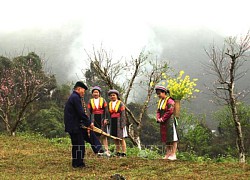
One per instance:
(64,142)
(48,122)
(145,153)
(226,158)
(191,156)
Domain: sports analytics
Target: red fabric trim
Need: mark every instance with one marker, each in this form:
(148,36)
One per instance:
(105,104)
(98,111)
(122,108)
(115,115)
(163,130)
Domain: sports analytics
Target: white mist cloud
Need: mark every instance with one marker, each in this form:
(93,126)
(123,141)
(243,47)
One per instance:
(122,26)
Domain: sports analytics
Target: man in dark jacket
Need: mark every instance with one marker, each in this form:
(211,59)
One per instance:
(74,118)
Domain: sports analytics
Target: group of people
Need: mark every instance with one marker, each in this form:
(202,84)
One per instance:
(100,112)
(80,120)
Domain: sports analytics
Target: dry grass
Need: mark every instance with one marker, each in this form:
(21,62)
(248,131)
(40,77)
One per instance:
(25,157)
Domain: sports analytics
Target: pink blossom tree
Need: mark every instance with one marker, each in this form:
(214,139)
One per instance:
(22,81)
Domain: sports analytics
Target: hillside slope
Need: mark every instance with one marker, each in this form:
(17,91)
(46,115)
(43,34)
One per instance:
(33,157)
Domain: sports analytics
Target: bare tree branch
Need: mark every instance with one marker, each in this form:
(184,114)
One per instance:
(225,66)
(109,70)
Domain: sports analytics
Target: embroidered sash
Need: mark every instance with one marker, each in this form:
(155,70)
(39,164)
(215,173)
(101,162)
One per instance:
(115,110)
(93,104)
(164,103)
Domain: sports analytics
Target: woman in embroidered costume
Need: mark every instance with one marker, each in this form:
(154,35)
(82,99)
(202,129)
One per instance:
(165,117)
(118,121)
(98,110)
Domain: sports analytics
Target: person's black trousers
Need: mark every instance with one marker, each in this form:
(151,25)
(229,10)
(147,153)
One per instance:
(78,146)
(93,140)
(78,149)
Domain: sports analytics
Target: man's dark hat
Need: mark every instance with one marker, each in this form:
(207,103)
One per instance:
(80,84)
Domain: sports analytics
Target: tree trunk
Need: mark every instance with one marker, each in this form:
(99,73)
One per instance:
(240,142)
(134,135)
(7,125)
(10,131)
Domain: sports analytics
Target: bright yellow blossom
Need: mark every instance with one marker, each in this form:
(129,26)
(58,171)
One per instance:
(181,87)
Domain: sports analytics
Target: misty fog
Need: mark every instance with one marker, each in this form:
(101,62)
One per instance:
(64,52)
(55,46)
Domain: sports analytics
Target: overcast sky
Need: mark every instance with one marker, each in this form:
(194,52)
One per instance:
(125,27)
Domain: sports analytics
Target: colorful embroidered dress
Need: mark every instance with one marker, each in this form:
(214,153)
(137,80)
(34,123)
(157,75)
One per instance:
(165,111)
(118,120)
(98,110)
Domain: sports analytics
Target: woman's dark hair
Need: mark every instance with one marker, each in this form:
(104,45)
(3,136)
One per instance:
(167,92)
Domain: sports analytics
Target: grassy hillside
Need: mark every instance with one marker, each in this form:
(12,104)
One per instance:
(33,157)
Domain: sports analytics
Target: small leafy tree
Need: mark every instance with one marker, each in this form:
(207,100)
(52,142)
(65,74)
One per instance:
(194,135)
(48,122)
(199,138)
(226,129)
(46,115)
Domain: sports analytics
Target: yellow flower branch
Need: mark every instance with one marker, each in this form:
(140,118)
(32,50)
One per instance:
(181,87)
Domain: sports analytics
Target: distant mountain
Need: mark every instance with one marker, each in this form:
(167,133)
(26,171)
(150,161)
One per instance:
(62,49)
